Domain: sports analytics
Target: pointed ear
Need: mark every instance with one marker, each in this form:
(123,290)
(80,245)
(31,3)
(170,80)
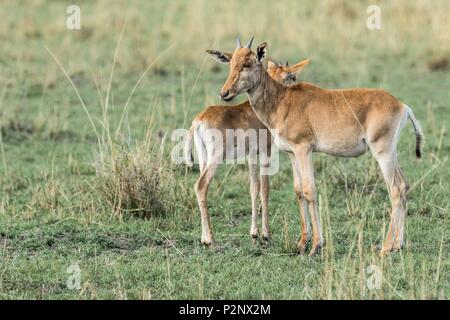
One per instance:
(296,68)
(261,52)
(271,65)
(219,56)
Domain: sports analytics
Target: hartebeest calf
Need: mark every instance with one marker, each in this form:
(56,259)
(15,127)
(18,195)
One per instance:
(237,119)
(305,118)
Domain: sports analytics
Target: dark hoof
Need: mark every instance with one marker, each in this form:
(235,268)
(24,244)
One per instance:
(301,247)
(207,243)
(315,250)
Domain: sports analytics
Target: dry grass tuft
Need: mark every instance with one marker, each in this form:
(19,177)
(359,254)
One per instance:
(134,181)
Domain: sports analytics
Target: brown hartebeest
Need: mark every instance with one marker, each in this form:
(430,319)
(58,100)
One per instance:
(305,118)
(238,119)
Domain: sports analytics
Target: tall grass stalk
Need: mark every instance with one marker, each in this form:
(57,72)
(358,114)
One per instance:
(132,178)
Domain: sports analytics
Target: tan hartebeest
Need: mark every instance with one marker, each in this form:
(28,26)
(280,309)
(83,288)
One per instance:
(211,152)
(305,118)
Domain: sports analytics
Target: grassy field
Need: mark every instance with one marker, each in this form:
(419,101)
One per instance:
(68,163)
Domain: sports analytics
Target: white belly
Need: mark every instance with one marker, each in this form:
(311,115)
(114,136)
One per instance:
(342,149)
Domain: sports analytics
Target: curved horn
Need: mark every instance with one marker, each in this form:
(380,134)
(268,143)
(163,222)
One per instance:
(249,44)
(238,43)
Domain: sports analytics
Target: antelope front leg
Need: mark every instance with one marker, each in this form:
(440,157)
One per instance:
(264,196)
(201,190)
(305,232)
(265,153)
(304,156)
(254,191)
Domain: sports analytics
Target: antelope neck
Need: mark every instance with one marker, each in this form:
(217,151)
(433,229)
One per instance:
(264,96)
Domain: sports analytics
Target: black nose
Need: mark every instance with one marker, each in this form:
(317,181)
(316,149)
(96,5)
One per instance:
(223,95)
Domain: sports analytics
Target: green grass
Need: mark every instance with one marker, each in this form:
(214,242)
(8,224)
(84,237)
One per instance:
(51,213)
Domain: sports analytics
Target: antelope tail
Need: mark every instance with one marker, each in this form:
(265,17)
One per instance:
(418,131)
(188,157)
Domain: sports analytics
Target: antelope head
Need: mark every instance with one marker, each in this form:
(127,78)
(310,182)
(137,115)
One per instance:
(285,74)
(245,68)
